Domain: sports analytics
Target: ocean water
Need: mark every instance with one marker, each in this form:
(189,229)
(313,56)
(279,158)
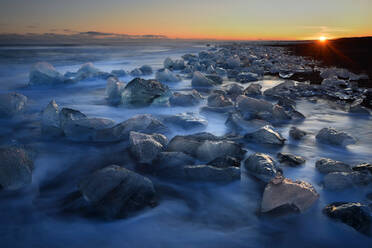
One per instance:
(189,214)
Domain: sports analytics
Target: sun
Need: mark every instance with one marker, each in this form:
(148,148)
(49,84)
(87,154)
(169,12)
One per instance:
(322,39)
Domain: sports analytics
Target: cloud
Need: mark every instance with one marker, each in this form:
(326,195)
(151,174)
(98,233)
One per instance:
(71,37)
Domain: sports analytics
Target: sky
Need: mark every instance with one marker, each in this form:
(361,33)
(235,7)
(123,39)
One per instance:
(192,19)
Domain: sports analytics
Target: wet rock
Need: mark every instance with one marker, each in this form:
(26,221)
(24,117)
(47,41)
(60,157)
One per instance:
(67,115)
(173,159)
(233,90)
(211,174)
(115,192)
(174,64)
(146,70)
(167,76)
(215,78)
(15,168)
(285,192)
(136,72)
(86,129)
(364,167)
(262,166)
(249,107)
(224,162)
(114,88)
(205,146)
(200,81)
(247,77)
(266,135)
(290,159)
(187,121)
(236,122)
(139,123)
(185,99)
(253,90)
(354,214)
(12,104)
(296,133)
(145,147)
(119,73)
(333,137)
(88,71)
(326,165)
(50,123)
(343,180)
(43,73)
(233,62)
(217,100)
(141,93)
(283,89)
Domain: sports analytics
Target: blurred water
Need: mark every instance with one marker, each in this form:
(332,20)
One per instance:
(195,214)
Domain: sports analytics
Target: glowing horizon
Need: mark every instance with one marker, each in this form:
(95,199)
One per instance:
(209,19)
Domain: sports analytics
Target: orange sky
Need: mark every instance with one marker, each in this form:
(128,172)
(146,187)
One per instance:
(208,19)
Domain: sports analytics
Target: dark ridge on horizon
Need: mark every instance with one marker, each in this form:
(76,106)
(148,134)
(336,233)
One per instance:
(352,53)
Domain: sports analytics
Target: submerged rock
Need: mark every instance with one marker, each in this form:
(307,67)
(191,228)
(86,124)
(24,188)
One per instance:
(354,214)
(146,147)
(290,159)
(266,135)
(12,104)
(43,73)
(282,192)
(236,122)
(262,166)
(68,115)
(185,99)
(326,165)
(211,173)
(15,168)
(217,100)
(115,192)
(141,93)
(333,137)
(296,133)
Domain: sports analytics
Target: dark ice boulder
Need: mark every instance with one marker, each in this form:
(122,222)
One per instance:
(114,88)
(89,71)
(354,214)
(201,81)
(67,115)
(139,123)
(115,192)
(334,137)
(186,121)
(185,98)
(15,168)
(290,159)
(167,76)
(50,123)
(326,165)
(146,70)
(296,133)
(261,166)
(12,104)
(205,146)
(266,135)
(43,73)
(282,192)
(146,147)
(141,93)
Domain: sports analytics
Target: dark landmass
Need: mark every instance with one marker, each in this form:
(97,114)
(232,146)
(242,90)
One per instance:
(353,54)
